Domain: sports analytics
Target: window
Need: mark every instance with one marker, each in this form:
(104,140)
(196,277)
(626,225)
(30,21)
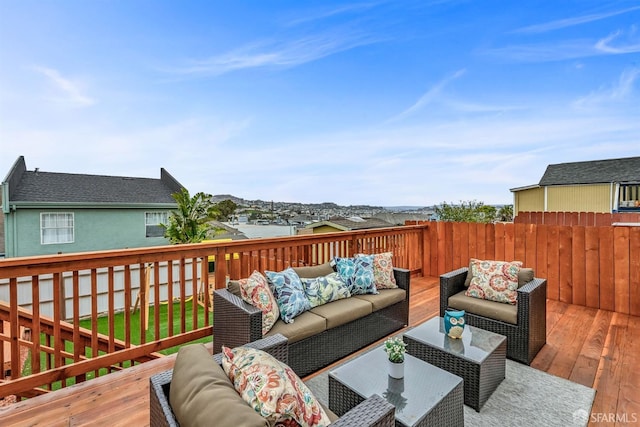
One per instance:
(153,221)
(629,196)
(56,228)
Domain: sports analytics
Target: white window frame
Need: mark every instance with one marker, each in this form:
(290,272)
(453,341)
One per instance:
(63,228)
(164,220)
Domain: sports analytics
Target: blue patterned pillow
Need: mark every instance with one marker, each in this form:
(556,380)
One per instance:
(358,274)
(324,289)
(289,293)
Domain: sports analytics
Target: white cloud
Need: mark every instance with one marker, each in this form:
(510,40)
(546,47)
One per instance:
(545,52)
(336,11)
(631,45)
(68,91)
(571,22)
(428,97)
(287,53)
(619,91)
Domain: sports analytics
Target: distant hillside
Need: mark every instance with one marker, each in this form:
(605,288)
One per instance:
(244,202)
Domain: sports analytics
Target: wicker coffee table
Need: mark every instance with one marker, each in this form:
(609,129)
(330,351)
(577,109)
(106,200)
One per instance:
(478,357)
(426,396)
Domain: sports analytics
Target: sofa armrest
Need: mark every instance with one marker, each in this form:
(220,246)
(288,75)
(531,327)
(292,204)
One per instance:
(276,345)
(403,278)
(450,284)
(374,411)
(235,322)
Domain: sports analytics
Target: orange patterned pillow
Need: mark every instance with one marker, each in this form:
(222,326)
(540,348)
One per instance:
(271,388)
(255,291)
(383,276)
(494,280)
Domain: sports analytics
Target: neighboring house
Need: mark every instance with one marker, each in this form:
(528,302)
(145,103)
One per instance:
(1,228)
(335,224)
(49,213)
(401,218)
(600,186)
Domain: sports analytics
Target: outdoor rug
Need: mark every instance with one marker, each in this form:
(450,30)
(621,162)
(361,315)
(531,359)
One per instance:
(526,397)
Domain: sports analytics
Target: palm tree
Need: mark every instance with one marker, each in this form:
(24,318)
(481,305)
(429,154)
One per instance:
(190,223)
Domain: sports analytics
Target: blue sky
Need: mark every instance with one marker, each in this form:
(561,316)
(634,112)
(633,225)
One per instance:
(379,102)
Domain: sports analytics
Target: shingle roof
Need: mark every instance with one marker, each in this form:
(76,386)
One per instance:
(79,188)
(593,172)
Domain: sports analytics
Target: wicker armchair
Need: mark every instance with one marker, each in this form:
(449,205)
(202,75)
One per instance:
(374,411)
(524,339)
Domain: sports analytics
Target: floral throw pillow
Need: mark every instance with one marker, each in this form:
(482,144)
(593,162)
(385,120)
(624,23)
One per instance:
(383,270)
(324,289)
(357,274)
(494,280)
(290,296)
(271,388)
(255,291)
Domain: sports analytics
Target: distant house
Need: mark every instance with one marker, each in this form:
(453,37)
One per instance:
(48,213)
(345,224)
(601,186)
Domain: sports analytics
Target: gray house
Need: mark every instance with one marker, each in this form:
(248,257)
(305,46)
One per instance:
(49,213)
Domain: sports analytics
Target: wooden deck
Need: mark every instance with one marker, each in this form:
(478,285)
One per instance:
(596,348)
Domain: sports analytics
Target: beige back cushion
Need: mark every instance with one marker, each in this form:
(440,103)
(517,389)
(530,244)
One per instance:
(314,271)
(524,276)
(201,394)
(234,287)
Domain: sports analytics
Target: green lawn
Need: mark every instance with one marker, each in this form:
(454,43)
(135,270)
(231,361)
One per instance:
(119,318)
(103,325)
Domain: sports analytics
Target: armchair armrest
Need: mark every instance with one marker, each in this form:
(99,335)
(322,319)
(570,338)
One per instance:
(532,302)
(374,411)
(450,284)
(235,322)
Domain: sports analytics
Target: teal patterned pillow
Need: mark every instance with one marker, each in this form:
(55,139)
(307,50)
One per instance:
(289,293)
(358,274)
(324,289)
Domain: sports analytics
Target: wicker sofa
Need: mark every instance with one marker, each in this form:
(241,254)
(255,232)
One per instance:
(526,332)
(322,335)
(374,411)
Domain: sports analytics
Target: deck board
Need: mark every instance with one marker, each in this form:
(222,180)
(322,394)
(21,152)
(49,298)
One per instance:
(597,348)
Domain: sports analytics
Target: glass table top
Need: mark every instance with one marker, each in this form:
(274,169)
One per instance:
(422,387)
(475,345)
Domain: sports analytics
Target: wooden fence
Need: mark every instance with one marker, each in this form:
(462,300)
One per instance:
(589,266)
(577,218)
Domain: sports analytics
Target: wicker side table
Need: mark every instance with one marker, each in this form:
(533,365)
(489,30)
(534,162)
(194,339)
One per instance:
(426,396)
(478,357)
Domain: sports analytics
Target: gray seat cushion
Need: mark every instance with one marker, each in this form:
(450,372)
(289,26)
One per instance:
(384,298)
(343,311)
(491,309)
(304,326)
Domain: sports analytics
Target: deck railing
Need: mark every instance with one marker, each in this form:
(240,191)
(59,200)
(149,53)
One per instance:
(46,299)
